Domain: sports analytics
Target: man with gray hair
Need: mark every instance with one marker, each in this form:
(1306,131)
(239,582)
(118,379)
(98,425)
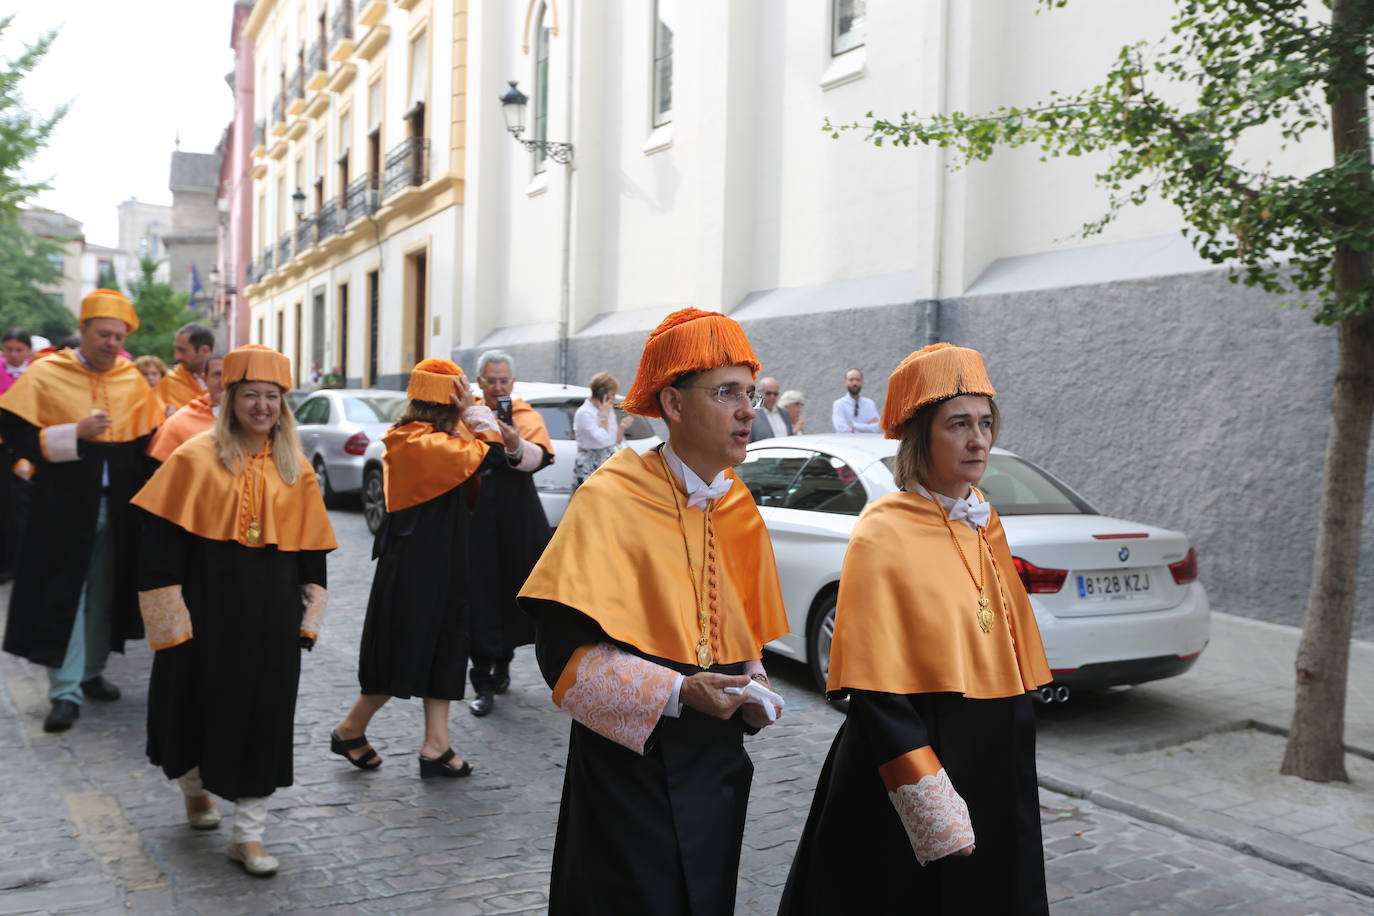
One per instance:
(510,532)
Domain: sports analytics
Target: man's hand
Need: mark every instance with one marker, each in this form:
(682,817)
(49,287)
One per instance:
(93,426)
(510,435)
(753,713)
(705,692)
(462,396)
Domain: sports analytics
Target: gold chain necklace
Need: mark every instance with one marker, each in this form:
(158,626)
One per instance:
(985,617)
(707,621)
(257,486)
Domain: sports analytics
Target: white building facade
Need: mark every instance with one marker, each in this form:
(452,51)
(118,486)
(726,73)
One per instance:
(701,176)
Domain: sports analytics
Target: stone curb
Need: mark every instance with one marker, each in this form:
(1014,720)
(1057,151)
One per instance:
(1314,861)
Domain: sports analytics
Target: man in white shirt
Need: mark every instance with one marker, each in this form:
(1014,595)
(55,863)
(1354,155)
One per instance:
(852,413)
(772,420)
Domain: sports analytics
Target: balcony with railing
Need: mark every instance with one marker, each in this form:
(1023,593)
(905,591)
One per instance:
(341,31)
(260,139)
(406,165)
(251,273)
(284,248)
(265,262)
(361,196)
(329,221)
(278,113)
(305,233)
(317,66)
(295,94)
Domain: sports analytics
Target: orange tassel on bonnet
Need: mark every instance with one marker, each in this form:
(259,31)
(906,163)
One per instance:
(688,340)
(932,374)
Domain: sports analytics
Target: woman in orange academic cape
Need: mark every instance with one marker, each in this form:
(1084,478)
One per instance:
(232,589)
(928,800)
(415,636)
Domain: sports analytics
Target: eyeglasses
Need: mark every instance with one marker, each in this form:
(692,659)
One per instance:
(731,395)
(767,393)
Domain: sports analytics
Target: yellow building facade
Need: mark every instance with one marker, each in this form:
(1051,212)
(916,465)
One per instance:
(357,182)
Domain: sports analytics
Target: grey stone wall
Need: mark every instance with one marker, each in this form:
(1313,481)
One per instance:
(1182,401)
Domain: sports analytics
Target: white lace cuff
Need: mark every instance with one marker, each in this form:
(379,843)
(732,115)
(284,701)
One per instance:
(935,817)
(617,695)
(314,598)
(480,419)
(530,456)
(673,707)
(166,620)
(58,442)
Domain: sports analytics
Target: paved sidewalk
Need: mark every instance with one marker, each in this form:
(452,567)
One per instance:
(1200,754)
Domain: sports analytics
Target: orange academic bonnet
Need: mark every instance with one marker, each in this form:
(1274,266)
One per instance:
(932,374)
(256,363)
(688,340)
(432,380)
(109,303)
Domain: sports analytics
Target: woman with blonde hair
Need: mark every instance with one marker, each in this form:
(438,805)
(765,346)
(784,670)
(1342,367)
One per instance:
(415,635)
(928,800)
(232,588)
(153,369)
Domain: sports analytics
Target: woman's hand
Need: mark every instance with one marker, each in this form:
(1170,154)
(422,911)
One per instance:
(462,398)
(626,423)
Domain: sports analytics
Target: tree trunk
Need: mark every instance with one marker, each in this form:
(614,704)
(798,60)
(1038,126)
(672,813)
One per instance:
(1316,741)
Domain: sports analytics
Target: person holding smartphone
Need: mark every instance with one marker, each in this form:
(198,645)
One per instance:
(512,532)
(595,428)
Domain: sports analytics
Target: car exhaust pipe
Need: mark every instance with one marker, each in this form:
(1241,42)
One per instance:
(1051,693)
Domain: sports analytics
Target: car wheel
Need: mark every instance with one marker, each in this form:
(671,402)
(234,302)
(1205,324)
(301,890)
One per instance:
(331,498)
(374,498)
(820,631)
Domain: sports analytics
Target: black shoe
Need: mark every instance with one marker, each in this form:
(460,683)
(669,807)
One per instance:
(444,766)
(483,704)
(62,715)
(502,680)
(97,688)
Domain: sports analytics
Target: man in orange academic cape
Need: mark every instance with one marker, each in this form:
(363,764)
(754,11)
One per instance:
(511,533)
(192,347)
(83,417)
(197,416)
(651,607)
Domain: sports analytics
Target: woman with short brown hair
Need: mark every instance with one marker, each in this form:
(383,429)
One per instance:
(928,801)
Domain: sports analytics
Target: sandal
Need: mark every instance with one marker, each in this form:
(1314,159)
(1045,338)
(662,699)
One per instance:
(440,766)
(369,761)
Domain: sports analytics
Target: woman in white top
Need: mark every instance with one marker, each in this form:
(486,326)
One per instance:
(595,428)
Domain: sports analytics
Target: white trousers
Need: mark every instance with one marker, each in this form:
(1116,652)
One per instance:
(250,814)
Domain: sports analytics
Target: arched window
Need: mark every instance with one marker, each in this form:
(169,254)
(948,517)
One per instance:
(541,85)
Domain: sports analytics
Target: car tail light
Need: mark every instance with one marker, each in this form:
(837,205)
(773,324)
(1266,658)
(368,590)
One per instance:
(1039,581)
(1185,570)
(356,444)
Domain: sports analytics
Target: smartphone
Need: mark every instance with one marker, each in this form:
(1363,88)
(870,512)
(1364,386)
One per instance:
(503,410)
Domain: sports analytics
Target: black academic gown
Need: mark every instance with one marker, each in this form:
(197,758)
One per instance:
(511,531)
(415,635)
(672,820)
(55,551)
(225,700)
(854,855)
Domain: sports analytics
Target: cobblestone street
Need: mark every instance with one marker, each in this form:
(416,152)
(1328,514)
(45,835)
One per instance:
(89,827)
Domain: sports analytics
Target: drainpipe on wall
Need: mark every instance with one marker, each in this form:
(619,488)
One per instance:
(932,316)
(565,285)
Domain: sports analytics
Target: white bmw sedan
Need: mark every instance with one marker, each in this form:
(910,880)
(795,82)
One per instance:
(1118,602)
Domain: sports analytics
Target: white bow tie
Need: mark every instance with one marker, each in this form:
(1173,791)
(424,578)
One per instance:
(703,494)
(975,513)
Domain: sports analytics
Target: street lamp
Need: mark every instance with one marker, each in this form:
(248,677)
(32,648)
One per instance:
(513,108)
(298,203)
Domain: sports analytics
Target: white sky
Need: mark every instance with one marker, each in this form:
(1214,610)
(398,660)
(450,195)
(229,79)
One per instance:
(137,73)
